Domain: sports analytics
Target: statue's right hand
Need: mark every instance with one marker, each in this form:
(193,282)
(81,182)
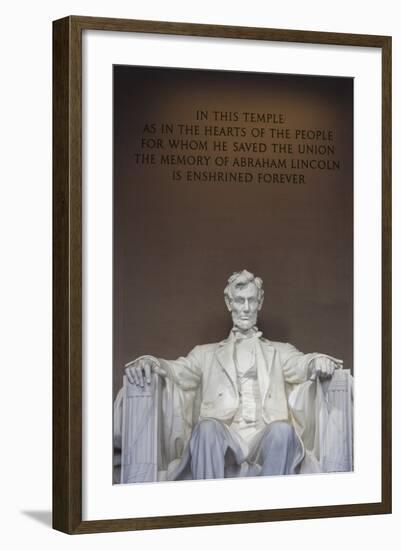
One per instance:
(140,369)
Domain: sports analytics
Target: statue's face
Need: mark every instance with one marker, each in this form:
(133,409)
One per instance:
(244,307)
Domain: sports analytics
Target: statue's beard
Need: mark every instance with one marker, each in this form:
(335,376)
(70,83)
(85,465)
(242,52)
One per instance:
(244,324)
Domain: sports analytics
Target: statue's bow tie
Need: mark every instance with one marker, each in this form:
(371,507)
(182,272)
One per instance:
(238,335)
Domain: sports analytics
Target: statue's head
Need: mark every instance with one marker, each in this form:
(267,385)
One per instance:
(244,298)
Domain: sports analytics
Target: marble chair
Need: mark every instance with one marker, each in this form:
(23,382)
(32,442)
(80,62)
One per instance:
(151,426)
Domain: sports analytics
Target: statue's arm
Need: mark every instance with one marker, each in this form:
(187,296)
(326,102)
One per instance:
(299,367)
(184,371)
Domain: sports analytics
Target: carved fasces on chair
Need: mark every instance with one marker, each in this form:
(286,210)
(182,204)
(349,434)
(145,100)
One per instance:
(140,427)
(322,413)
(336,431)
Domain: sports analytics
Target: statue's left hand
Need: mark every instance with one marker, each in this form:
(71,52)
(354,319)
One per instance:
(324,367)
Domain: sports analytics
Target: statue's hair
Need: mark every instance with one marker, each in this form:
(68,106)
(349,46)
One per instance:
(241,279)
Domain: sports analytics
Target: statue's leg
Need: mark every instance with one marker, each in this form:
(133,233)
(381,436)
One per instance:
(280,451)
(208,446)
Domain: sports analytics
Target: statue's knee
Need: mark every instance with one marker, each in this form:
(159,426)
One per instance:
(208,427)
(280,432)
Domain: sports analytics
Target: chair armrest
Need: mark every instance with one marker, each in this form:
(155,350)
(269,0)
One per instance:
(140,426)
(322,413)
(336,432)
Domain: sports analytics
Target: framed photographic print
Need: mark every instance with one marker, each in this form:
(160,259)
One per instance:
(222,232)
